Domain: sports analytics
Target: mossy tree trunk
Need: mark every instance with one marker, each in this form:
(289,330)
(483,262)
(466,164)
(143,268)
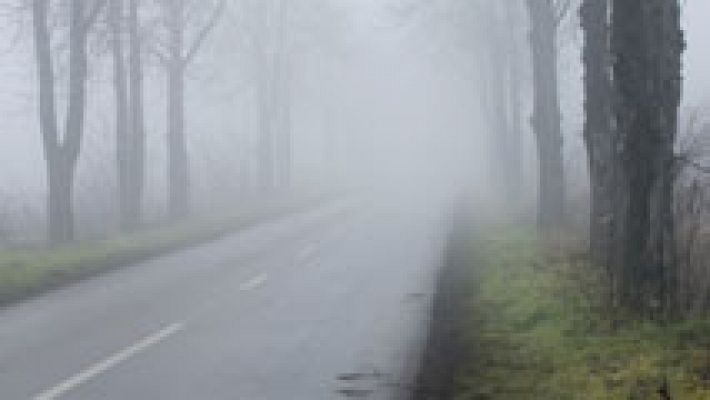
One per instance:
(647,45)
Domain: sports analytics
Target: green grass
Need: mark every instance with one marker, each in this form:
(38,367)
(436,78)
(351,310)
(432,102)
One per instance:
(538,327)
(24,273)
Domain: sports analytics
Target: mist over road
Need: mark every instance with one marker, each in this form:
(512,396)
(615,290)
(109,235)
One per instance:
(320,305)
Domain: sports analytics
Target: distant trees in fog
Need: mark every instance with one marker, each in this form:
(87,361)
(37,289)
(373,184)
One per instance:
(134,37)
(185,24)
(62,147)
(545,17)
(125,26)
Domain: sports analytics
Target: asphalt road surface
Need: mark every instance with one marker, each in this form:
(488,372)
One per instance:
(324,304)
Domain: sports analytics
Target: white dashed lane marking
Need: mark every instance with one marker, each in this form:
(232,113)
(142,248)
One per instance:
(110,362)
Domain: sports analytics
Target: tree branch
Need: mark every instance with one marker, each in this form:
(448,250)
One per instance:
(204,32)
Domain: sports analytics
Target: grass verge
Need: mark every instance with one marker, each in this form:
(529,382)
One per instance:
(24,273)
(538,327)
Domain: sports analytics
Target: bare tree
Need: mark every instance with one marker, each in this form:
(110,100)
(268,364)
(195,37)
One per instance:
(502,77)
(62,151)
(176,52)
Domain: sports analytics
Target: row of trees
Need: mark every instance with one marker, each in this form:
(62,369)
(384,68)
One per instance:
(631,58)
(632,83)
(632,61)
(137,35)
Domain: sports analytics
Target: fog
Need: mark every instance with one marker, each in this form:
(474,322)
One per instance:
(372,104)
(378,96)
(285,179)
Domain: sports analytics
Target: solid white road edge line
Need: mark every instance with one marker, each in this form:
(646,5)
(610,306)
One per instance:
(110,362)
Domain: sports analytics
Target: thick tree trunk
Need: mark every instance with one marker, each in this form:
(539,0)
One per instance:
(600,138)
(61,155)
(60,201)
(647,43)
(546,118)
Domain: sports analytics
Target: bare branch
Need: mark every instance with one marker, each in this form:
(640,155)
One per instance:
(204,32)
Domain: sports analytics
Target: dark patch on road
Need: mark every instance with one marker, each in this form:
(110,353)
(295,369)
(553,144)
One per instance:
(361,385)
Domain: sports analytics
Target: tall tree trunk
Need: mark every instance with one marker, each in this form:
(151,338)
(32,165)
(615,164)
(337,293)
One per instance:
(60,173)
(123,131)
(546,118)
(647,43)
(137,124)
(515,109)
(178,168)
(600,138)
(62,154)
(499,59)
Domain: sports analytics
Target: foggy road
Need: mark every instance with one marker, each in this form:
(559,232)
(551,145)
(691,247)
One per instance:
(319,305)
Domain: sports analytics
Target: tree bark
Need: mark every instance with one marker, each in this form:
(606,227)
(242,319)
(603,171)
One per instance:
(546,118)
(647,44)
(600,138)
(62,154)
(60,174)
